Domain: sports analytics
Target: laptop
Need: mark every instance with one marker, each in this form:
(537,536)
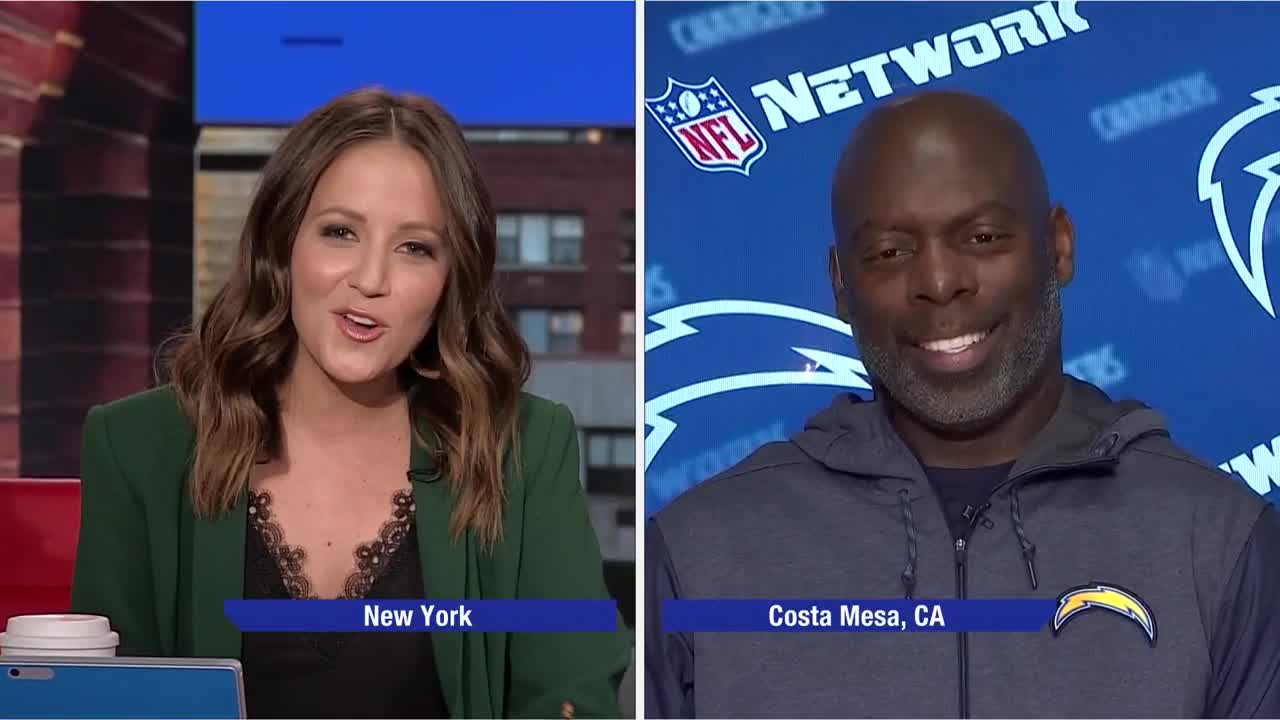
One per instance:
(60,688)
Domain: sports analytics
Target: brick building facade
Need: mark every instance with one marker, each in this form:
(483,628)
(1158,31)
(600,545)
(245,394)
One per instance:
(96,141)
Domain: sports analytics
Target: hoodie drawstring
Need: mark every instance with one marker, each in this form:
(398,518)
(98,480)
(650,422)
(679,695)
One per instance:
(909,574)
(1028,547)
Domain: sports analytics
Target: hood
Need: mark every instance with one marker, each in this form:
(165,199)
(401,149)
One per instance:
(855,436)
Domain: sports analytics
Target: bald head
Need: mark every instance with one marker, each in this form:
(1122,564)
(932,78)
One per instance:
(948,260)
(950,142)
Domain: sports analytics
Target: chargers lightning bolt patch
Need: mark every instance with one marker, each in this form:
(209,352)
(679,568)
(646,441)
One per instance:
(1106,597)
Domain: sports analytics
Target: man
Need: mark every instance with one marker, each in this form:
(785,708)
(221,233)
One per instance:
(980,470)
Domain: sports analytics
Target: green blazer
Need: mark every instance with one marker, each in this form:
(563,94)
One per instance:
(161,574)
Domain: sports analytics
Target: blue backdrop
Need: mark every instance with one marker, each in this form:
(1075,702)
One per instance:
(1159,125)
(506,64)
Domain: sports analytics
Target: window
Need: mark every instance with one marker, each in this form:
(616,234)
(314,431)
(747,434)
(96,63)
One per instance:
(627,336)
(557,332)
(539,239)
(629,238)
(508,240)
(611,461)
(566,240)
(611,449)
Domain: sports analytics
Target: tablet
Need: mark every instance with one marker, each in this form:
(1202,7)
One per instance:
(138,688)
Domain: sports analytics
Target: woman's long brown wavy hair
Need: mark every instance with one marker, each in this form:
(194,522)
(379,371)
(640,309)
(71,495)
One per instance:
(465,377)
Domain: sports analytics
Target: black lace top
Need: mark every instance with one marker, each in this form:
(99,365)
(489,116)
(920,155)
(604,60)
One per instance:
(338,675)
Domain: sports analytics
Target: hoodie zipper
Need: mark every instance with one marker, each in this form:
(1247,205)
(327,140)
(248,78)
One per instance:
(961,550)
(962,546)
(962,592)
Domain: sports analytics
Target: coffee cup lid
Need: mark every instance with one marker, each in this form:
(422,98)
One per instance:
(59,626)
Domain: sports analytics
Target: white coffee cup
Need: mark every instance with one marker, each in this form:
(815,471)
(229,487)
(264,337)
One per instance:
(60,636)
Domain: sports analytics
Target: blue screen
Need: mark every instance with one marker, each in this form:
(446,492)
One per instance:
(118,690)
(509,64)
(1158,123)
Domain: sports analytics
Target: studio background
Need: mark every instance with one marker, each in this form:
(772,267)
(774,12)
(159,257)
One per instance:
(1122,100)
(559,162)
(132,136)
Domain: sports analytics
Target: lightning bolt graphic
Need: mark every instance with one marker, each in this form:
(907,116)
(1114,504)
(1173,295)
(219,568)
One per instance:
(1104,597)
(674,320)
(839,370)
(1254,274)
(1265,168)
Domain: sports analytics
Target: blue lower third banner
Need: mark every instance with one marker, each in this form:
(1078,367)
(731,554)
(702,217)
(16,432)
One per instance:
(857,615)
(423,615)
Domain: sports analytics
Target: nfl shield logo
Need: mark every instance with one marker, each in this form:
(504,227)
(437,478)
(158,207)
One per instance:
(708,127)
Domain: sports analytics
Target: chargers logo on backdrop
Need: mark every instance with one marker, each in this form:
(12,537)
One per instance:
(1252,273)
(822,367)
(708,127)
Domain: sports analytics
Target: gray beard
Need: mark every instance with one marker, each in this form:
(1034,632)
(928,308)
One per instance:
(974,403)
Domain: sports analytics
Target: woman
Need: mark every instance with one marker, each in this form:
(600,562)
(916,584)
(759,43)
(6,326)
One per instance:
(347,421)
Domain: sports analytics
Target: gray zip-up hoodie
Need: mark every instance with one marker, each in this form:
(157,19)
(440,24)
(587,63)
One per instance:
(843,510)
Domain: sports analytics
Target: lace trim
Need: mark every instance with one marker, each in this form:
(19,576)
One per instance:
(371,558)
